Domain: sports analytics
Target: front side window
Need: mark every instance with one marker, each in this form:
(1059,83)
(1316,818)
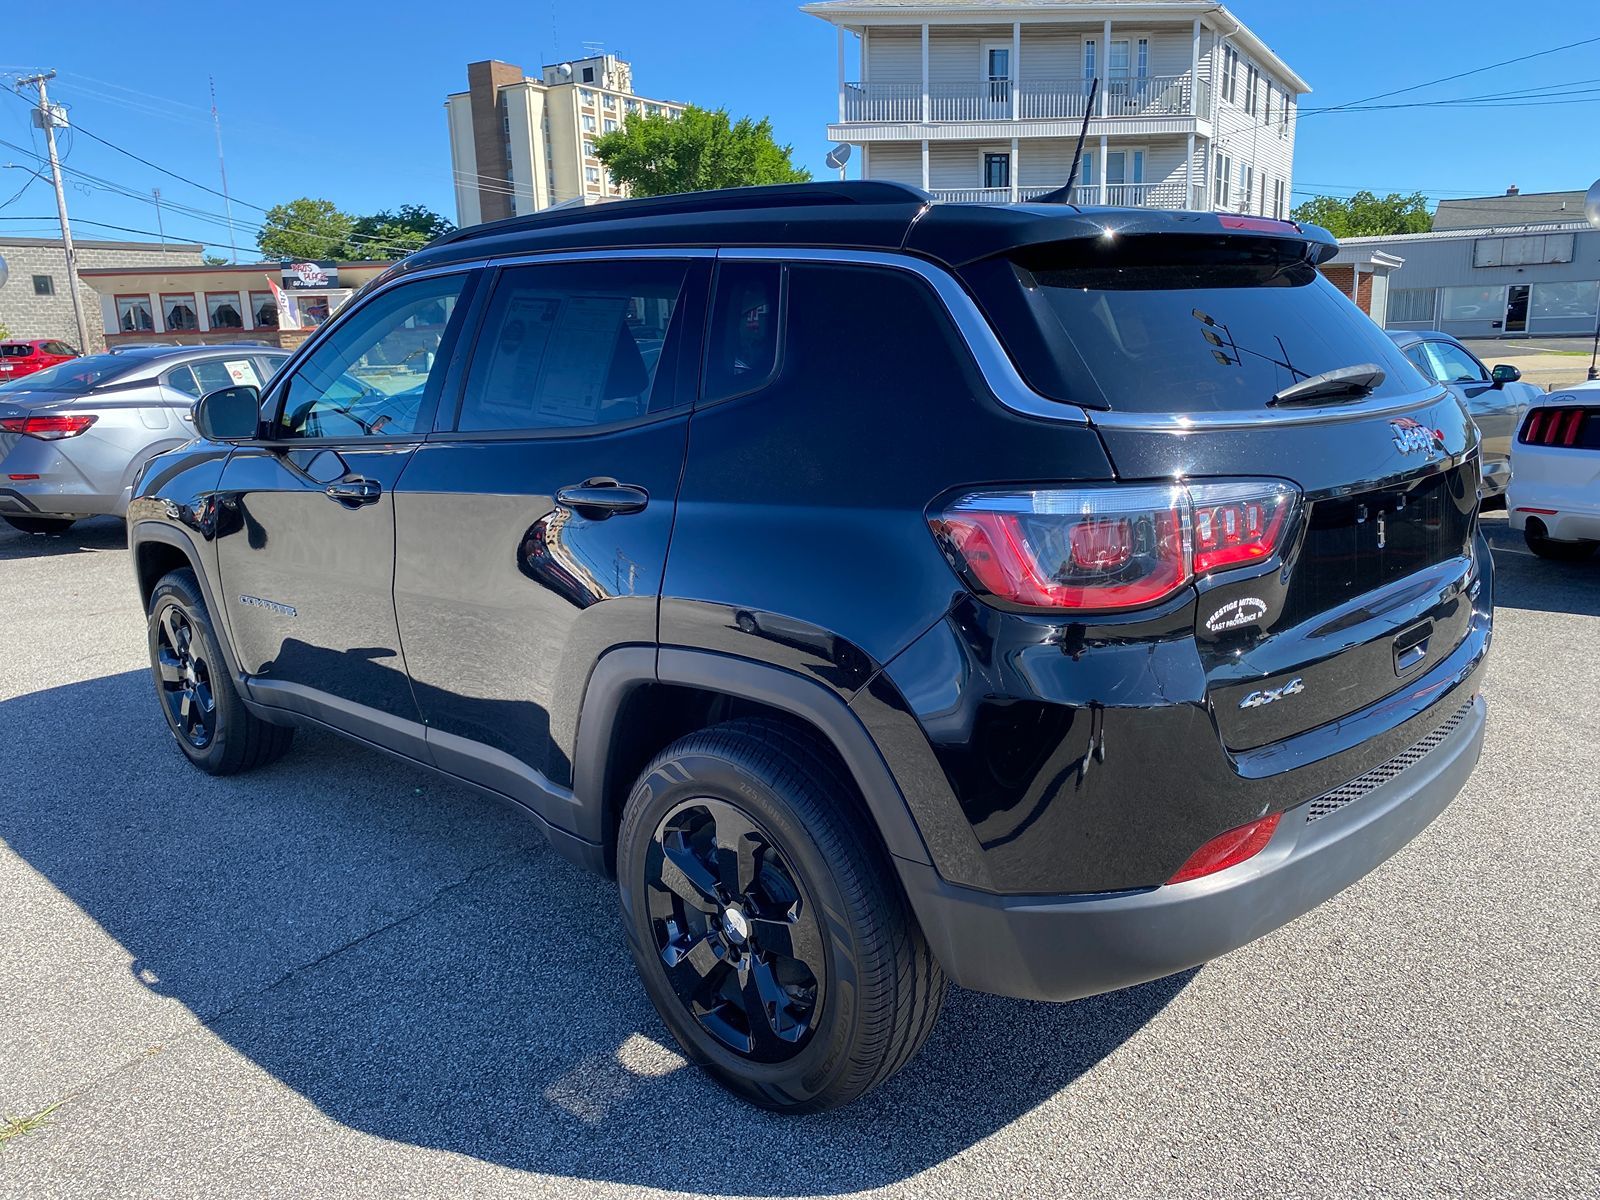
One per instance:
(1452,364)
(574,346)
(134,314)
(379,373)
(58,348)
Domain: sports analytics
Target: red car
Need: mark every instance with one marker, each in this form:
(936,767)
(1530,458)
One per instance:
(24,358)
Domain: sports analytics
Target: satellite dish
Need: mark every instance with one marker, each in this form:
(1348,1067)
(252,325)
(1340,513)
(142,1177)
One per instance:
(838,156)
(5,272)
(564,70)
(1591,205)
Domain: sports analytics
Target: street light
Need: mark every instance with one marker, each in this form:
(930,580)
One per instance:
(1591,212)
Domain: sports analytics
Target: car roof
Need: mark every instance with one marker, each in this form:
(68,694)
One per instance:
(1405,337)
(859,214)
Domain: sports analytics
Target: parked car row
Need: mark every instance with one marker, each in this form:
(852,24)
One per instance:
(74,435)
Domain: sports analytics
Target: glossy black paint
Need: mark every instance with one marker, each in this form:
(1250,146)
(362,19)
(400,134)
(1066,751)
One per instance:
(469,619)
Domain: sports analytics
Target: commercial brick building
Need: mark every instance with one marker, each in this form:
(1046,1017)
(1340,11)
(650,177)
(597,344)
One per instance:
(35,301)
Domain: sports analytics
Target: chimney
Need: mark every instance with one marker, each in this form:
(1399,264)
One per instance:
(1512,190)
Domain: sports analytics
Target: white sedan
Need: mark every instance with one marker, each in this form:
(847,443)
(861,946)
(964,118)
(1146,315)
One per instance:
(1555,474)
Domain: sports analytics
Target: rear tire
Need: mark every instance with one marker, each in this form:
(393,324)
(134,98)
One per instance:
(811,984)
(40,524)
(1546,547)
(199,699)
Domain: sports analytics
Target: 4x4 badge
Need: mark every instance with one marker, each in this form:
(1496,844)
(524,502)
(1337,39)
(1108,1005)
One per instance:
(1272,695)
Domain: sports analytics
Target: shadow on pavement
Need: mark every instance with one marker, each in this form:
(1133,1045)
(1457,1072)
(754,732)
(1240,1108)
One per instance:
(92,533)
(1523,580)
(411,959)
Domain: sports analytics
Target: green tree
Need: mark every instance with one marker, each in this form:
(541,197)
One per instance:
(305,228)
(394,234)
(214,260)
(660,155)
(1367,215)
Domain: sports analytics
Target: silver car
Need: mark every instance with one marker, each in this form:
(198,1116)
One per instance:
(1495,399)
(73,436)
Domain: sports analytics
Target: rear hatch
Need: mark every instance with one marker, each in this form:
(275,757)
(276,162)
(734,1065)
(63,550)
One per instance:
(1186,347)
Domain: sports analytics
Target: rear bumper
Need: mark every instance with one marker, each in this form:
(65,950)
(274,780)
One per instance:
(1564,525)
(1066,947)
(1496,477)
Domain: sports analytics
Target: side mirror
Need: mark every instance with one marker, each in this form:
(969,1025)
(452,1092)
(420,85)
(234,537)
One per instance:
(230,414)
(1504,374)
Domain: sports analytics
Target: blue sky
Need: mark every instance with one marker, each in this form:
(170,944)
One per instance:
(344,100)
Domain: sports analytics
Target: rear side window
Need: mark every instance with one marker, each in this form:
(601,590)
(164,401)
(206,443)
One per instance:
(182,379)
(1181,323)
(743,342)
(575,346)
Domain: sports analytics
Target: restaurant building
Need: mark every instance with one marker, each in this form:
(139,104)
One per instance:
(195,305)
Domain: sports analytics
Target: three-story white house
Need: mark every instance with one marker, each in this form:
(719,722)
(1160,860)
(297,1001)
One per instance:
(983,100)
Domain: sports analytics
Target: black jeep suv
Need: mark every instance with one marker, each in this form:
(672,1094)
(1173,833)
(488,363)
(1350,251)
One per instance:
(1040,599)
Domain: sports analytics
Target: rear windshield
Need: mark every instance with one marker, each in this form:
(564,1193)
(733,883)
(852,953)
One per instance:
(15,350)
(74,377)
(1186,324)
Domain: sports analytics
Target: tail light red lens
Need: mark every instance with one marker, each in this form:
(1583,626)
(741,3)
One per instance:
(1563,426)
(1228,849)
(51,429)
(1109,548)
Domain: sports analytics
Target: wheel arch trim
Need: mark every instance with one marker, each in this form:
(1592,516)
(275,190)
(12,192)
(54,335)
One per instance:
(145,532)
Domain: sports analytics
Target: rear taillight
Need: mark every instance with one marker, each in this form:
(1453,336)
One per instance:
(1562,426)
(51,429)
(1109,548)
(1228,849)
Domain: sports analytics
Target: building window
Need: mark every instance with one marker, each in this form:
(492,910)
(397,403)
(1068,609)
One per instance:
(1266,115)
(222,310)
(263,310)
(1230,69)
(585,96)
(1088,58)
(588,123)
(996,170)
(134,314)
(611,124)
(631,106)
(1473,304)
(1250,78)
(178,312)
(1277,198)
(1143,63)
(314,310)
(1412,306)
(1247,183)
(44,285)
(1564,301)
(1222,182)
(609,100)
(588,74)
(592,174)
(588,148)
(1522,251)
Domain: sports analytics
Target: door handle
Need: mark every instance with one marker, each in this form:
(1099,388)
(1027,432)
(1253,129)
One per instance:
(601,498)
(354,491)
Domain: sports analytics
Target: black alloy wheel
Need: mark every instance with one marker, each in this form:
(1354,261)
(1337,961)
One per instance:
(185,679)
(739,938)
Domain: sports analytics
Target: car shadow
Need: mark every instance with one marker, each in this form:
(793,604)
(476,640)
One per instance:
(1523,580)
(414,961)
(92,533)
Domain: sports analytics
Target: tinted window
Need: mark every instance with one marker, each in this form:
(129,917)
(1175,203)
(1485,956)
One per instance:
(1452,364)
(214,373)
(58,348)
(1176,323)
(574,345)
(379,373)
(742,343)
(182,379)
(76,376)
(1418,359)
(16,350)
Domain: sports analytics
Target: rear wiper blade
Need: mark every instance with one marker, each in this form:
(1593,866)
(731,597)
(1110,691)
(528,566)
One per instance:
(1354,381)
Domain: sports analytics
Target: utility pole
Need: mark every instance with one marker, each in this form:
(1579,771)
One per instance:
(161,230)
(227,204)
(46,118)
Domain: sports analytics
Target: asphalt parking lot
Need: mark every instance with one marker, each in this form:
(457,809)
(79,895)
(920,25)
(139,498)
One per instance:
(342,976)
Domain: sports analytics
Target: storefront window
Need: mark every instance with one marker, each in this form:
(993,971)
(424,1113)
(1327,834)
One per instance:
(222,310)
(1473,304)
(1564,301)
(134,314)
(264,310)
(179,313)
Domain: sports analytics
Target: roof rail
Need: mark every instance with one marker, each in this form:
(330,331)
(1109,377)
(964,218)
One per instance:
(784,195)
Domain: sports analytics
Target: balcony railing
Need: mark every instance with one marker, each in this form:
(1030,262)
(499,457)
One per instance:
(1036,99)
(1166,194)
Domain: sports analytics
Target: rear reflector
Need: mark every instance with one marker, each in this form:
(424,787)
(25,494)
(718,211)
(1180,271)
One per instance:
(21,478)
(51,429)
(1228,849)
